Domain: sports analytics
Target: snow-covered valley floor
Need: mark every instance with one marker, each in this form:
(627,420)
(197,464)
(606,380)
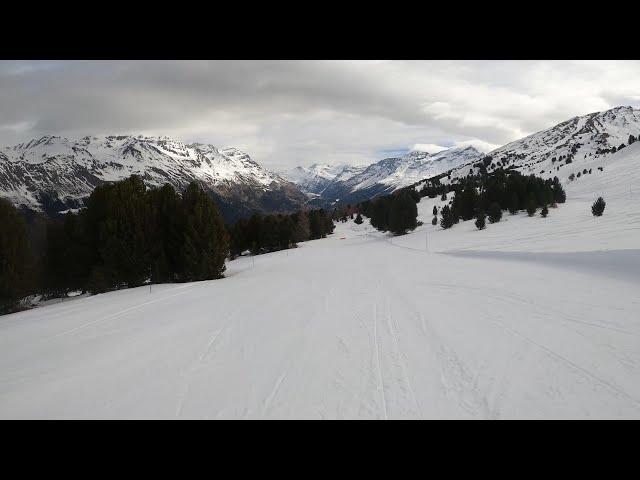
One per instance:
(531,318)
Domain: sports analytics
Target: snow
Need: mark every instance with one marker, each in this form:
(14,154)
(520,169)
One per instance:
(63,165)
(530,318)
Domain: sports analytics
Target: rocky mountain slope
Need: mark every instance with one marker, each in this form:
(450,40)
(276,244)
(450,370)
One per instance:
(568,147)
(329,184)
(53,174)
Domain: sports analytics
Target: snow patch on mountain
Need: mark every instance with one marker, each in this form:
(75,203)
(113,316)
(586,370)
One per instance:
(71,169)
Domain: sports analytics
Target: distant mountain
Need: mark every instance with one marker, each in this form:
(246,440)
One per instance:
(53,174)
(314,180)
(329,184)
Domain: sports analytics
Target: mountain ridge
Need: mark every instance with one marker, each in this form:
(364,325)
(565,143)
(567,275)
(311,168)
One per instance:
(55,173)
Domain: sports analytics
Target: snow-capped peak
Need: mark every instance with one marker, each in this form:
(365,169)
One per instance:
(72,168)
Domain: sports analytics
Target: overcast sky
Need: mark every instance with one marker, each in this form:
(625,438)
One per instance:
(301,112)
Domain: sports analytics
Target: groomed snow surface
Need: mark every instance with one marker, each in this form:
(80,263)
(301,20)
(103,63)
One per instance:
(531,318)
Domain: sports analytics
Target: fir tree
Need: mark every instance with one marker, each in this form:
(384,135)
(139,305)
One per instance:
(598,207)
(358,219)
(544,212)
(480,221)
(514,204)
(531,206)
(403,213)
(434,221)
(15,273)
(206,242)
(447,220)
(495,213)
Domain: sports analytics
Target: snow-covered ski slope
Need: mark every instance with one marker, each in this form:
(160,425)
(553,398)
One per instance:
(531,318)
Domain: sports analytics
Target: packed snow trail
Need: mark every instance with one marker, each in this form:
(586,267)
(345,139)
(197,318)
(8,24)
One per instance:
(530,318)
(353,328)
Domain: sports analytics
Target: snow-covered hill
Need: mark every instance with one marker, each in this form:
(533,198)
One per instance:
(55,173)
(352,184)
(568,147)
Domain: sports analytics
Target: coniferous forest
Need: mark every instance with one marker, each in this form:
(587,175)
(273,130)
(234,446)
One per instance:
(473,195)
(129,235)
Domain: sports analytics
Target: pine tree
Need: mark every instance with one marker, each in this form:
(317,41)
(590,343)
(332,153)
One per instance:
(206,242)
(15,262)
(447,220)
(302,228)
(480,220)
(118,220)
(465,207)
(544,212)
(166,238)
(380,214)
(495,212)
(434,221)
(403,213)
(558,192)
(531,206)
(598,207)
(514,204)
(358,219)
(435,210)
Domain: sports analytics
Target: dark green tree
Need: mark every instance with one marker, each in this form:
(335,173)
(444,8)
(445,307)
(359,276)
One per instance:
(403,213)
(495,212)
(447,220)
(598,207)
(544,212)
(15,261)
(206,242)
(480,221)
(531,206)
(514,204)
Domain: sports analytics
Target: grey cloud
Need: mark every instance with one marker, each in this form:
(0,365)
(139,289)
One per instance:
(300,112)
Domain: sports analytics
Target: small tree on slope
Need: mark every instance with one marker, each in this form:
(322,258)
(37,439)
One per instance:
(480,221)
(495,213)
(531,207)
(598,207)
(544,212)
(447,220)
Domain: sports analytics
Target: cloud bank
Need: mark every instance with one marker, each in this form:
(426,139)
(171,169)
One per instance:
(287,113)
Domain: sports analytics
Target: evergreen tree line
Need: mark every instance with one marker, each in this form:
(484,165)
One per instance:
(128,235)
(491,194)
(396,213)
(269,233)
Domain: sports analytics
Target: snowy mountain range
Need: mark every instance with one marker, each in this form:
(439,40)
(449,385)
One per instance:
(544,153)
(355,183)
(52,173)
